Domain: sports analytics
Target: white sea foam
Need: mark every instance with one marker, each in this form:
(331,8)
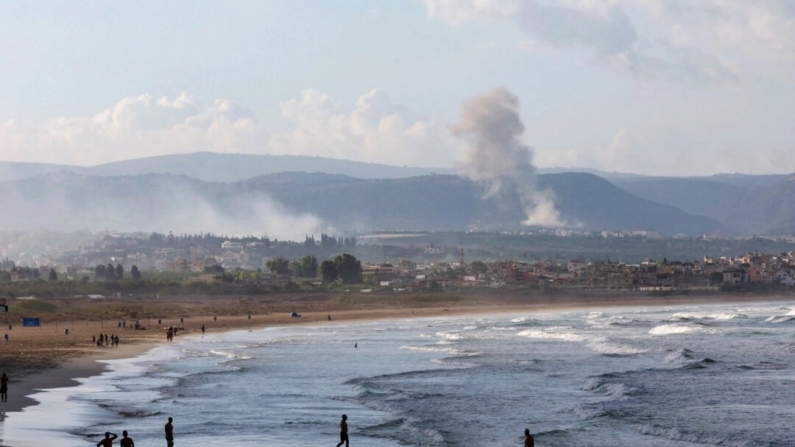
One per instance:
(566,336)
(596,343)
(780,319)
(677,328)
(707,315)
(450,335)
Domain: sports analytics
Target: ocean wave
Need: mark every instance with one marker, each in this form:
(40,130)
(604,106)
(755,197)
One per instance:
(456,361)
(697,438)
(591,411)
(451,335)
(707,316)
(615,350)
(780,319)
(678,328)
(596,343)
(502,328)
(682,355)
(453,351)
(566,336)
(401,375)
(617,390)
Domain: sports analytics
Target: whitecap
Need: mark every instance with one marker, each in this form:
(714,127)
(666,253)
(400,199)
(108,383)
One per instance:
(677,328)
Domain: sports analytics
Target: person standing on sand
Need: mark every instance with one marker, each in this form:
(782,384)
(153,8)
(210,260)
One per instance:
(125,441)
(169,433)
(202,329)
(4,388)
(343,431)
(528,439)
(108,441)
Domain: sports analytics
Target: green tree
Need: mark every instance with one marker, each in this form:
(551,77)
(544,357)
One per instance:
(478,267)
(349,269)
(305,267)
(53,275)
(119,271)
(110,272)
(328,269)
(279,265)
(215,268)
(99,272)
(135,273)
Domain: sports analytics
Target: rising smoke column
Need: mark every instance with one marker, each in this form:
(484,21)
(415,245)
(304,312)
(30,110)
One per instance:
(498,159)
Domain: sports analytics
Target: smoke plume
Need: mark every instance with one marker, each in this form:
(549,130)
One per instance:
(497,158)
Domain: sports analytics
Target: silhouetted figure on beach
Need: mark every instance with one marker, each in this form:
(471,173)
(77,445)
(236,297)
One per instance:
(528,439)
(4,388)
(343,431)
(356,345)
(329,318)
(125,441)
(202,329)
(169,433)
(108,441)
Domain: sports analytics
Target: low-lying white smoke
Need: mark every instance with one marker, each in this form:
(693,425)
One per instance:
(497,157)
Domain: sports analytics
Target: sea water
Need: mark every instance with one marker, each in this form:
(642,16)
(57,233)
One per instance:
(652,376)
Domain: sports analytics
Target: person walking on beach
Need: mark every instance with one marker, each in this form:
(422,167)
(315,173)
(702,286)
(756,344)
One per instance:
(343,431)
(202,329)
(108,441)
(4,388)
(125,441)
(169,433)
(528,439)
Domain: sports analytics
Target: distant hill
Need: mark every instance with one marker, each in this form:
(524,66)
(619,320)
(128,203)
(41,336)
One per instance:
(11,170)
(695,195)
(218,167)
(298,201)
(746,204)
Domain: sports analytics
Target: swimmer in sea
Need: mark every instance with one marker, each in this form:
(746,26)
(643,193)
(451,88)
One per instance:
(528,439)
(169,434)
(125,441)
(343,431)
(108,441)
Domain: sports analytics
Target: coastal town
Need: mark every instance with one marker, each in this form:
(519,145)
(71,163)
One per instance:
(260,265)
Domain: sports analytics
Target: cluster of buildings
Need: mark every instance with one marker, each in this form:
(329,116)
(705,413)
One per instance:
(78,255)
(749,271)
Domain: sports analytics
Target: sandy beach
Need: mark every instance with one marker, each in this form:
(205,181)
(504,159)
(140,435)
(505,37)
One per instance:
(47,357)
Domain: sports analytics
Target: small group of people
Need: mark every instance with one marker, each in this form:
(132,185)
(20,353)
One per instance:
(106,340)
(126,441)
(107,441)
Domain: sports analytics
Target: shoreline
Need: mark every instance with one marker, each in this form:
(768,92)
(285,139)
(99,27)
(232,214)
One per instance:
(84,362)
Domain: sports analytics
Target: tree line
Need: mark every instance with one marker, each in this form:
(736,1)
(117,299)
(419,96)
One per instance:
(344,267)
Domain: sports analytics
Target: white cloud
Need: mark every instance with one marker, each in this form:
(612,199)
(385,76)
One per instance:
(134,127)
(705,40)
(374,130)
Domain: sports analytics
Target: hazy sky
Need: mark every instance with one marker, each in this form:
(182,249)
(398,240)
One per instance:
(648,86)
